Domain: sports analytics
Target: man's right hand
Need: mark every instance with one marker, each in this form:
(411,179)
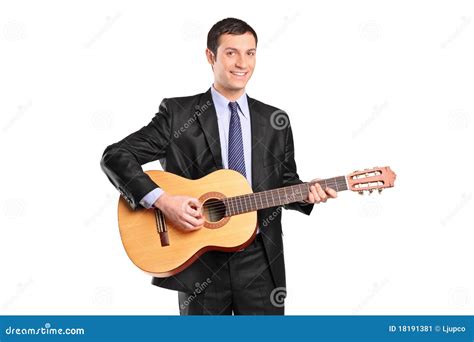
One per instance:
(184,212)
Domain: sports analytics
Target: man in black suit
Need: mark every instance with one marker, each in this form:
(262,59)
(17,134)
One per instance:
(195,135)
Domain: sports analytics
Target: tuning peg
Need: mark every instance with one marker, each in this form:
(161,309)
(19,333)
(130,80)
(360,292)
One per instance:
(380,190)
(361,192)
(370,191)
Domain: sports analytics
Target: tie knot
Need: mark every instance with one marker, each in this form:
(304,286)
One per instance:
(233,107)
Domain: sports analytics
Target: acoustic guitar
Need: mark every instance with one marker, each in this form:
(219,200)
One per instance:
(229,208)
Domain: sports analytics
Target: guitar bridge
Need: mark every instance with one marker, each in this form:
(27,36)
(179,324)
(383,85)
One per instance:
(161,228)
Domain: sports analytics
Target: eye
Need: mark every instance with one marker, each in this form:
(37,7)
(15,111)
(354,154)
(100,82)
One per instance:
(251,53)
(230,53)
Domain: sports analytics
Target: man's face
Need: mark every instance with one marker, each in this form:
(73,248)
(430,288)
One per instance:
(233,66)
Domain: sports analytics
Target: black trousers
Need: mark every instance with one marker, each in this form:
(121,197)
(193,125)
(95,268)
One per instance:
(242,285)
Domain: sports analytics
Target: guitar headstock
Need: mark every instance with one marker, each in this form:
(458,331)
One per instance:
(377,178)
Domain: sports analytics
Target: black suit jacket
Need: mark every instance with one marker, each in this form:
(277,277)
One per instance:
(184,136)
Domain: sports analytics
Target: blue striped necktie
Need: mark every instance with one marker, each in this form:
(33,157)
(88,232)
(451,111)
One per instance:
(236,147)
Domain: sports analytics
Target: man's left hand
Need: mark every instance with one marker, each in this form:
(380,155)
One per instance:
(317,194)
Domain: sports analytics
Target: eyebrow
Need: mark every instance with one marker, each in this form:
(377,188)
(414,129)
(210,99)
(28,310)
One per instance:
(234,49)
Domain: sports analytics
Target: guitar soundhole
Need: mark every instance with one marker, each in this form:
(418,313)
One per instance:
(214,210)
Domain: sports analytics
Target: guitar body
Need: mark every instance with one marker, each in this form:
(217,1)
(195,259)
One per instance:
(141,239)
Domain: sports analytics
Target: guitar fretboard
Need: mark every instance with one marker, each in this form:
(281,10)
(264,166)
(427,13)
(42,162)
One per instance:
(271,198)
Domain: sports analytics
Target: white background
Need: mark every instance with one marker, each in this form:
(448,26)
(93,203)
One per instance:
(366,83)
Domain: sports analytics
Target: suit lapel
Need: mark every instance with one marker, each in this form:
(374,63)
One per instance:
(257,122)
(207,118)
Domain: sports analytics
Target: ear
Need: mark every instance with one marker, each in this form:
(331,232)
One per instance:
(210,56)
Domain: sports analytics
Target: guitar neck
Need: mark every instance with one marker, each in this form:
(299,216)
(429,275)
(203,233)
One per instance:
(271,198)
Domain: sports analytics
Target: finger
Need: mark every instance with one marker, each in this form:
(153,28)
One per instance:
(192,228)
(196,207)
(193,221)
(317,198)
(321,193)
(331,192)
(194,202)
(193,211)
(188,227)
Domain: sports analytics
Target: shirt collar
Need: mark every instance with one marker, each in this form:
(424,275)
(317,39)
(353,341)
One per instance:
(222,102)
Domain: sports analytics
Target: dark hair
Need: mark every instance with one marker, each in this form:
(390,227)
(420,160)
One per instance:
(227,26)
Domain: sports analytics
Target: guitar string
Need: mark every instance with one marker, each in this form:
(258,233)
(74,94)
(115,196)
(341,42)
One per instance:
(238,201)
(227,204)
(248,197)
(277,192)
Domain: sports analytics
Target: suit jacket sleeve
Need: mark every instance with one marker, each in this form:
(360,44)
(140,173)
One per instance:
(122,161)
(290,176)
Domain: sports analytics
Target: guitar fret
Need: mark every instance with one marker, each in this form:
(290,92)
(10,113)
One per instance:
(234,206)
(281,196)
(300,192)
(287,199)
(230,207)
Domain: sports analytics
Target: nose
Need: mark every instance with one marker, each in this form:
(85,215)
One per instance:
(241,62)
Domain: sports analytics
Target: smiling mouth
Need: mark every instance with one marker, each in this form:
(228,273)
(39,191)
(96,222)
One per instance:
(239,74)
